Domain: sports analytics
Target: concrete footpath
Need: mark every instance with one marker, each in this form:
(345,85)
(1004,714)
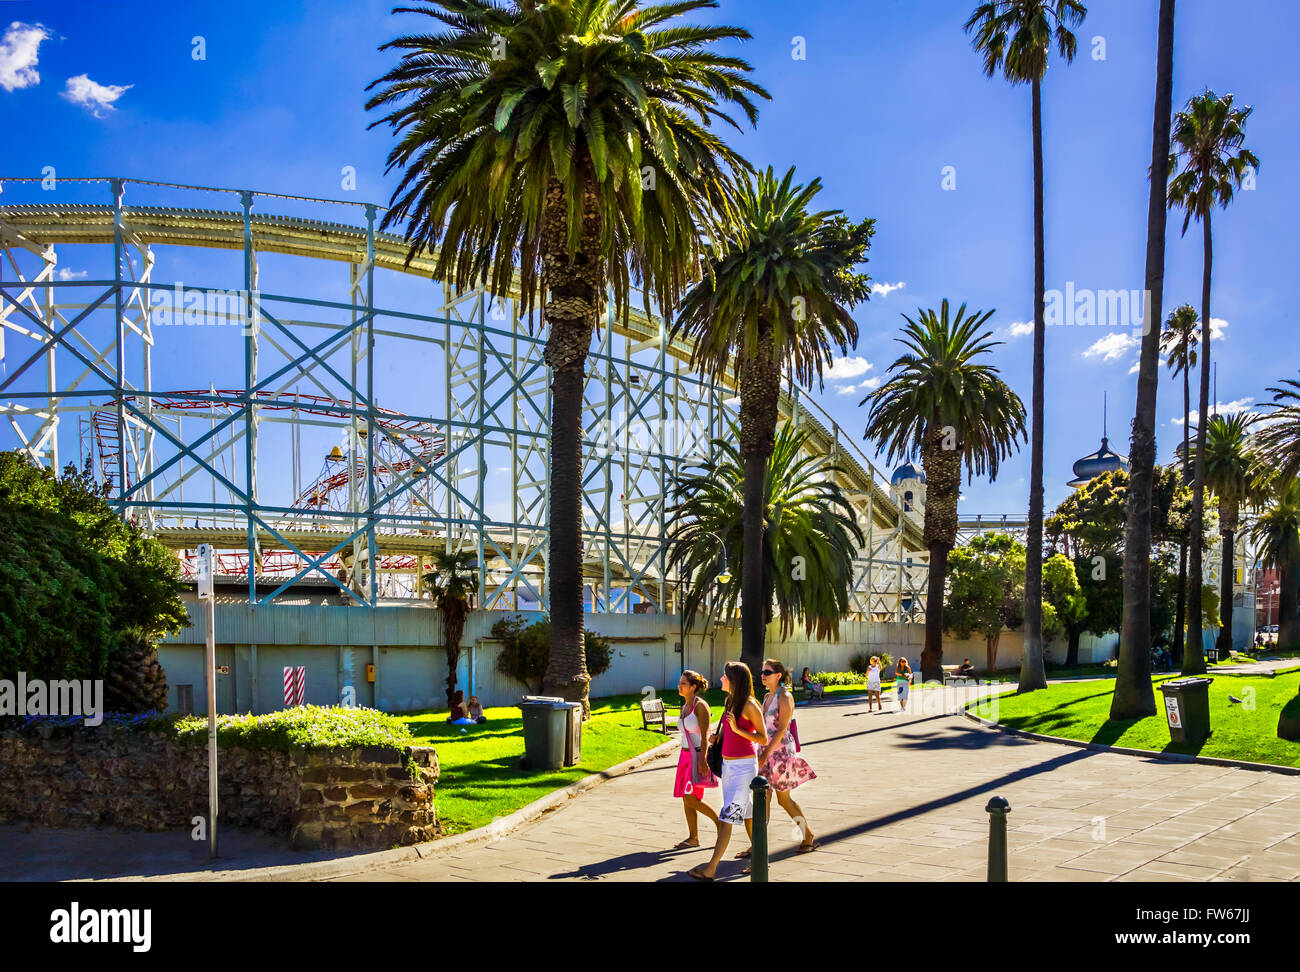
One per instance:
(899,796)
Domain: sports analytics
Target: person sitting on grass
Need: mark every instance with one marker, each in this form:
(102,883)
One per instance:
(815,689)
(474,711)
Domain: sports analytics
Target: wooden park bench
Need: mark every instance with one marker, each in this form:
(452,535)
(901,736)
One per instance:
(653,710)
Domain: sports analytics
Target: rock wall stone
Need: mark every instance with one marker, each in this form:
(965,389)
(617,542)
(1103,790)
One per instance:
(360,797)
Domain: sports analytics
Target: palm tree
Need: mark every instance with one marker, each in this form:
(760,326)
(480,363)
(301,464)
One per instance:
(1279,440)
(1234,475)
(451,585)
(1178,342)
(944,402)
(1133,696)
(806,515)
(1016,37)
(1276,533)
(530,133)
(1208,134)
(775,295)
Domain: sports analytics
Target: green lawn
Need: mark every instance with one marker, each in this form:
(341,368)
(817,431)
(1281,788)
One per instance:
(1080,710)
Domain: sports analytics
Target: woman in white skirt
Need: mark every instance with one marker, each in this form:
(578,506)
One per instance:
(742,727)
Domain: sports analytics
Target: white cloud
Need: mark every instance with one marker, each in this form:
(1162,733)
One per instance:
(1220,408)
(885,289)
(65,274)
(1217,324)
(18,53)
(842,369)
(1112,347)
(1020,328)
(871,384)
(90,94)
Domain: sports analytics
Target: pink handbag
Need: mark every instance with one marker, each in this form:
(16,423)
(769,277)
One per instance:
(794,734)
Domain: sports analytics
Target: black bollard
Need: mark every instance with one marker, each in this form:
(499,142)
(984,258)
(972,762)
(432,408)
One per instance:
(758,788)
(998,809)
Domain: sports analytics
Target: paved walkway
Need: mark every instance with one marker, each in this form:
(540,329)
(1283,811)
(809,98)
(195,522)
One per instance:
(902,796)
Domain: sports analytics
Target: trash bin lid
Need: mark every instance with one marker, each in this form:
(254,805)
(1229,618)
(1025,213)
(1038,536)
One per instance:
(550,700)
(1178,684)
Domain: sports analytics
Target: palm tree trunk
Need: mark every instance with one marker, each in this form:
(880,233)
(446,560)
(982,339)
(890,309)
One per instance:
(943,483)
(1228,530)
(574,287)
(760,390)
(932,653)
(1288,630)
(1032,674)
(1180,611)
(1194,652)
(1134,696)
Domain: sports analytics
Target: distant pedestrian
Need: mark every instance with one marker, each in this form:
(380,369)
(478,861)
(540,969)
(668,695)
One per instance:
(902,682)
(873,684)
(779,760)
(742,727)
(815,690)
(693,774)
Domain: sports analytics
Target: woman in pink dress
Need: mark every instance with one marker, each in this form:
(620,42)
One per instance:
(693,773)
(779,760)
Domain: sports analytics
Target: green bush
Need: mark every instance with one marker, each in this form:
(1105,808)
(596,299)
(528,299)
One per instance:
(83,592)
(526,651)
(302,727)
(840,678)
(860,663)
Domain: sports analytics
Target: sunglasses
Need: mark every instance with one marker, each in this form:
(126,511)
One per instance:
(766,673)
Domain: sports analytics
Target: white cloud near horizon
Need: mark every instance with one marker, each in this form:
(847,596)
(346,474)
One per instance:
(96,97)
(842,369)
(19,50)
(885,289)
(1220,408)
(1020,328)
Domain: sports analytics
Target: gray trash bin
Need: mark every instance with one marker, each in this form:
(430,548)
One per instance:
(1187,708)
(546,730)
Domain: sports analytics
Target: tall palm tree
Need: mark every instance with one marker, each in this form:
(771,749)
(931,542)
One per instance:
(1279,440)
(1276,533)
(1016,37)
(1233,473)
(1178,342)
(452,587)
(775,295)
(806,515)
(567,145)
(1133,696)
(1207,136)
(944,401)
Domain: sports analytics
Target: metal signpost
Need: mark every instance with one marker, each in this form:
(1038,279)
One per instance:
(204,577)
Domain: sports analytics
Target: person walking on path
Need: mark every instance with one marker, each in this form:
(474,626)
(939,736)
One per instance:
(742,727)
(693,773)
(779,760)
(902,682)
(873,684)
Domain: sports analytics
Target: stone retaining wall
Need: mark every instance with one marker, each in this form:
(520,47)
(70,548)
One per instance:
(362,797)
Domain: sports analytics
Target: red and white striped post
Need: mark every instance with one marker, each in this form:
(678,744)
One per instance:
(300,694)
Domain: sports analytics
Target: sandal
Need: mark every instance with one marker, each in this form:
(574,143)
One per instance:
(808,848)
(683,844)
(694,873)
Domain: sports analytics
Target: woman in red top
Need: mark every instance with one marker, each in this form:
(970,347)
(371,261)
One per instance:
(742,727)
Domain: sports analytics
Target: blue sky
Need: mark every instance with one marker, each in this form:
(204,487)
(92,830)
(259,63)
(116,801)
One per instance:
(888,95)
